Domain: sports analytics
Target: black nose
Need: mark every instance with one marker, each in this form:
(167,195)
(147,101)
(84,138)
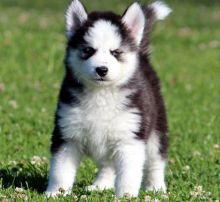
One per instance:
(102,71)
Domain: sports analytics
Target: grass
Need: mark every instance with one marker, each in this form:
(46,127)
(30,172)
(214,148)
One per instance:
(186,52)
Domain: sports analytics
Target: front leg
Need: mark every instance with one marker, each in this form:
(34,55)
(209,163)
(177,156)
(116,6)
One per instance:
(64,163)
(129,162)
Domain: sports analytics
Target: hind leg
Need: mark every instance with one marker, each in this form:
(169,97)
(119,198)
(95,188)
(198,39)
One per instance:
(104,180)
(155,165)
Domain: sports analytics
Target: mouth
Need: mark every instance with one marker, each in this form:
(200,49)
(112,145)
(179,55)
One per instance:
(101,80)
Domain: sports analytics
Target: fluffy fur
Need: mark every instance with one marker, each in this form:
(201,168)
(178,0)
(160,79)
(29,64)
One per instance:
(110,106)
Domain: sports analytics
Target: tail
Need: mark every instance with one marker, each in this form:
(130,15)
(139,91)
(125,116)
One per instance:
(153,12)
(160,10)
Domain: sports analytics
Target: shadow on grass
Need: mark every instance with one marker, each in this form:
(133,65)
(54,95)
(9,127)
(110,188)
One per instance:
(33,179)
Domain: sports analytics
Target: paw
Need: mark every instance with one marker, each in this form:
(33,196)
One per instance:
(127,195)
(94,187)
(127,192)
(52,194)
(157,187)
(55,193)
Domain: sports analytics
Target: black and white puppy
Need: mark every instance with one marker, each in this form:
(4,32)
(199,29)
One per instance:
(110,106)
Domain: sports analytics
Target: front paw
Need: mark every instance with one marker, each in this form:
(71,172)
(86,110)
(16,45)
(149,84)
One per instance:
(157,187)
(128,192)
(55,193)
(52,193)
(94,187)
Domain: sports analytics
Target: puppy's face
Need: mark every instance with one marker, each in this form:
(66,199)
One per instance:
(103,47)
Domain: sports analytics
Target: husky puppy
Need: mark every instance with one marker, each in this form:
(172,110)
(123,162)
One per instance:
(110,106)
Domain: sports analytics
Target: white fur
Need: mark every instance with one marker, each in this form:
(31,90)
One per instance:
(103,129)
(118,71)
(63,170)
(161,10)
(100,122)
(102,30)
(155,165)
(75,16)
(134,19)
(129,163)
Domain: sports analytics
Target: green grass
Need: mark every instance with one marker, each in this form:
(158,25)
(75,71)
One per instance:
(186,52)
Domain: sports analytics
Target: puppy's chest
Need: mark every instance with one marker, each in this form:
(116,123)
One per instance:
(100,118)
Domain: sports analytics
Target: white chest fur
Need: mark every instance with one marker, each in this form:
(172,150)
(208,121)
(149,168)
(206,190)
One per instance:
(100,122)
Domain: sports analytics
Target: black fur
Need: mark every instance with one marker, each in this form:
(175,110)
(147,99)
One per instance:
(149,101)
(150,19)
(66,97)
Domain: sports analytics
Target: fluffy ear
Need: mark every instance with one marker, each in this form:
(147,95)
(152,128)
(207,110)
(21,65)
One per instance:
(134,19)
(75,16)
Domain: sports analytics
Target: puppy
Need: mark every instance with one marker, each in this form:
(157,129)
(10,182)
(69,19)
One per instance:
(110,107)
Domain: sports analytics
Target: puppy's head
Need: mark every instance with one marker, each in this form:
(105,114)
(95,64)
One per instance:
(102,46)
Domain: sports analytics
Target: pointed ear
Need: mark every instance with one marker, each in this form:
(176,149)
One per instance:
(134,19)
(75,16)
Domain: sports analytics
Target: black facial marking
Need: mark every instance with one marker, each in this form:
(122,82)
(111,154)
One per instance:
(87,52)
(117,53)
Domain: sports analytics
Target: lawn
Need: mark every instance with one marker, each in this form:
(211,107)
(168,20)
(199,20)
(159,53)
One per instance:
(186,55)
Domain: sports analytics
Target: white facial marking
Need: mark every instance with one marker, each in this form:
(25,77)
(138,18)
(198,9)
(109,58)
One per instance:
(104,37)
